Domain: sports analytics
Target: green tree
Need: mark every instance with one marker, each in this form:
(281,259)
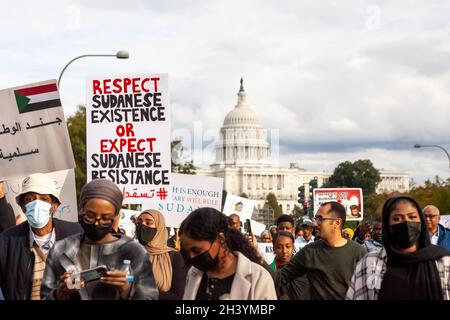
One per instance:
(178,164)
(273,203)
(435,192)
(373,204)
(297,212)
(359,174)
(76,125)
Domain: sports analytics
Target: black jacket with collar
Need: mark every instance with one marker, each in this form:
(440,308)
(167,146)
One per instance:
(17,259)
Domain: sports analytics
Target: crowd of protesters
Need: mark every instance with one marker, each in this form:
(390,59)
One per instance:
(403,255)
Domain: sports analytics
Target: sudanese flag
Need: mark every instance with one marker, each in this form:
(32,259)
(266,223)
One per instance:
(37,98)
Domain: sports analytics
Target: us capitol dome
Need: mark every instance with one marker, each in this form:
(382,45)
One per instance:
(242,159)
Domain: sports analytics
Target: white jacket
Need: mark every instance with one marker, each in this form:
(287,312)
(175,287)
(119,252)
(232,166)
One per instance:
(251,282)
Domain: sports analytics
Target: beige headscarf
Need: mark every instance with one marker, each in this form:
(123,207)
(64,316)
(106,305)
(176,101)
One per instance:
(159,252)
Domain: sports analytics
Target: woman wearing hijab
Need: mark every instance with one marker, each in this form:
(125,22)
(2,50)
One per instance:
(408,267)
(99,244)
(167,263)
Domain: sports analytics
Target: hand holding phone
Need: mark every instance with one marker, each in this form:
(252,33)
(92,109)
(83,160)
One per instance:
(92,274)
(248,227)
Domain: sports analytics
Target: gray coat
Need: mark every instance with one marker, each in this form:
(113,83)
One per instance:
(251,282)
(65,254)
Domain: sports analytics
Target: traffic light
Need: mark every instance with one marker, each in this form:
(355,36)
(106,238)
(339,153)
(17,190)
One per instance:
(301,194)
(313,184)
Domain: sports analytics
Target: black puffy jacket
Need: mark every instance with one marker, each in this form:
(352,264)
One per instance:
(17,259)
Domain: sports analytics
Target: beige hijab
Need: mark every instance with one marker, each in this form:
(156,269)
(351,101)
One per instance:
(159,252)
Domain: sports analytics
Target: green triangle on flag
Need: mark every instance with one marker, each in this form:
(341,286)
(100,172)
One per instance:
(22,101)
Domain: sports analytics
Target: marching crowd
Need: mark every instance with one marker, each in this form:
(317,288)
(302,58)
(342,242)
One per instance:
(402,255)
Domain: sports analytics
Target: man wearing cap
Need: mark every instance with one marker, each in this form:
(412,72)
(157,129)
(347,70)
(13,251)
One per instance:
(24,248)
(307,228)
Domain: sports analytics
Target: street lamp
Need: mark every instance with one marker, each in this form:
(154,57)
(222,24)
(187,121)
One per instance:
(417,146)
(122,54)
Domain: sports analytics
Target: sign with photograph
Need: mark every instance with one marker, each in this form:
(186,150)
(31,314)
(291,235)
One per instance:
(350,198)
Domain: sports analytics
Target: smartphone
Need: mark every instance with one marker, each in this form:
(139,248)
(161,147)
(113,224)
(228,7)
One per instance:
(248,226)
(92,274)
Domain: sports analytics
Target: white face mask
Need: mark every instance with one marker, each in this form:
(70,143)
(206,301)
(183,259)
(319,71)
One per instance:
(38,213)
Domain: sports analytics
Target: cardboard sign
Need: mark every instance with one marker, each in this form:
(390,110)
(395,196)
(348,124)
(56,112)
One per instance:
(266,250)
(350,198)
(33,131)
(243,207)
(128,135)
(64,183)
(189,192)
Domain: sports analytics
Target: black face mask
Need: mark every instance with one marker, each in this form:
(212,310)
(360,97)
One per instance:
(94,232)
(204,261)
(144,233)
(405,234)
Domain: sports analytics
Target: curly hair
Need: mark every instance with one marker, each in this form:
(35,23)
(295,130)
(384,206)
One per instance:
(205,224)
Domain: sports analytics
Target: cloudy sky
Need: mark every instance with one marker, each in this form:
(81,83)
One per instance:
(336,80)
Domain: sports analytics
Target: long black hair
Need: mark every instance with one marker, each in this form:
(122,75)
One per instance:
(206,224)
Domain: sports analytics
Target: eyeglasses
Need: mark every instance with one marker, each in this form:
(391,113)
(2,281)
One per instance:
(89,219)
(431,216)
(319,218)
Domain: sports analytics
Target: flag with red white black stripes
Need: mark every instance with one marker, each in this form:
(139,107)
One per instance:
(37,98)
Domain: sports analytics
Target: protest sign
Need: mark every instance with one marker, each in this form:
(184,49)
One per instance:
(65,185)
(243,207)
(445,221)
(350,198)
(266,251)
(33,131)
(126,223)
(189,192)
(128,135)
(257,227)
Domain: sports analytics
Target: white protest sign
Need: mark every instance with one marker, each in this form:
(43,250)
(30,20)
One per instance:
(189,192)
(257,227)
(266,251)
(445,221)
(65,185)
(125,222)
(33,131)
(350,198)
(128,135)
(243,207)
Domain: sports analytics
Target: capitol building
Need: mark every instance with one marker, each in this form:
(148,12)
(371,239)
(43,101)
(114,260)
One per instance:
(242,159)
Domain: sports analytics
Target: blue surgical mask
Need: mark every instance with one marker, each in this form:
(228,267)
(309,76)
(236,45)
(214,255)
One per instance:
(38,213)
